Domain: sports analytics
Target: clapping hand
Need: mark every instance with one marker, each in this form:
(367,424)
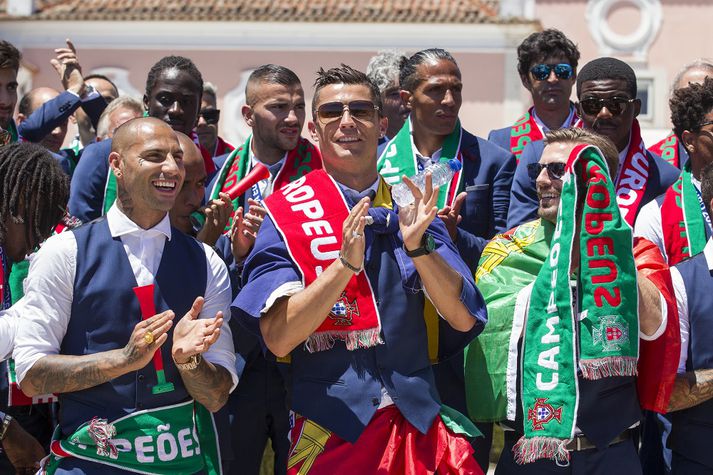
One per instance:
(245,228)
(415,218)
(193,335)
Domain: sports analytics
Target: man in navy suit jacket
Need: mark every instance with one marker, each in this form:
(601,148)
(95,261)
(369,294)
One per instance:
(547,64)
(606,89)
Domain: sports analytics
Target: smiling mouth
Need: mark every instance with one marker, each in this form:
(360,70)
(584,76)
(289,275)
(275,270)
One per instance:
(164,185)
(347,140)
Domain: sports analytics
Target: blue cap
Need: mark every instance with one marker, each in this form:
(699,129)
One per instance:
(455,165)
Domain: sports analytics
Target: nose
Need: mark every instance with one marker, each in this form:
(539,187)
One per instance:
(543,178)
(195,196)
(552,77)
(604,113)
(175,108)
(201,121)
(448,98)
(291,117)
(346,122)
(171,165)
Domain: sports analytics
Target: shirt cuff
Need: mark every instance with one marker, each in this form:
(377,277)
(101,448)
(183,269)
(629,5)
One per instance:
(287,289)
(664,320)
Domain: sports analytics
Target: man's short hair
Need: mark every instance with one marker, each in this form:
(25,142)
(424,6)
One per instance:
(344,75)
(270,74)
(9,56)
(700,63)
(173,62)
(689,106)
(543,44)
(579,135)
(122,102)
(103,78)
(607,68)
(210,89)
(383,68)
(707,186)
(409,78)
(24,107)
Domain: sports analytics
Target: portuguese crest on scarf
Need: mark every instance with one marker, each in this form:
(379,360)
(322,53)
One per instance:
(526,130)
(309,213)
(607,330)
(399,159)
(301,160)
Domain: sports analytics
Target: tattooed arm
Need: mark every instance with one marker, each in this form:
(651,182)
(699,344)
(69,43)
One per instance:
(208,384)
(691,389)
(68,373)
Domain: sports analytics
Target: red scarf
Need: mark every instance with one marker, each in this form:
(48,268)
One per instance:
(222,147)
(634,176)
(527,130)
(668,150)
(309,213)
(207,157)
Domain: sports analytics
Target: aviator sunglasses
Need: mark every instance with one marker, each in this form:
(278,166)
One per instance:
(359,110)
(615,105)
(555,170)
(542,71)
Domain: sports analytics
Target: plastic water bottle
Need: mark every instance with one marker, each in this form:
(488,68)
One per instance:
(441,173)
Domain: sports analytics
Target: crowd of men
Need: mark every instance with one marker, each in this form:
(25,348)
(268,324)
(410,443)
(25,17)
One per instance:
(172,302)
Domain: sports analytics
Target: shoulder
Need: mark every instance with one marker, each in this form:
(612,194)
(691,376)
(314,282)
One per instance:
(486,149)
(667,172)
(501,137)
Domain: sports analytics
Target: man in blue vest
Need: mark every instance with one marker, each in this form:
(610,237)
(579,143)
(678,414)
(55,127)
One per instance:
(691,406)
(360,367)
(100,304)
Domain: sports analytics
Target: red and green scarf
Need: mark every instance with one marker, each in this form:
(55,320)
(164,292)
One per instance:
(10,135)
(668,150)
(603,340)
(309,213)
(634,177)
(526,130)
(683,219)
(399,159)
(301,160)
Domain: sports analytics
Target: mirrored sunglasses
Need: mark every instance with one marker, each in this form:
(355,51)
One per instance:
(542,71)
(615,105)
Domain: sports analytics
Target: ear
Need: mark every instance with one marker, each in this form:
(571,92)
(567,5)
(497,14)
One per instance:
(146,102)
(247,112)
(637,107)
(21,118)
(578,108)
(313,131)
(383,126)
(406,97)
(689,141)
(525,80)
(115,163)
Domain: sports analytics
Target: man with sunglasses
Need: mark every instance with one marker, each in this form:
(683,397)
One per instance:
(207,125)
(606,90)
(547,64)
(606,406)
(338,282)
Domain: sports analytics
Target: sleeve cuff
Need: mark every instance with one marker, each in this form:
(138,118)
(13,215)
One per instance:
(664,320)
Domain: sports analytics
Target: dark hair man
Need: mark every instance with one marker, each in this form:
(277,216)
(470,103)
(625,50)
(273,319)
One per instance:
(670,148)
(138,273)
(547,64)
(383,70)
(34,192)
(606,90)
(520,374)
(9,66)
(174,87)
(345,371)
(207,125)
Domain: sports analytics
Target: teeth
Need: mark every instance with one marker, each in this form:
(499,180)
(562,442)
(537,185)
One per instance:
(348,139)
(164,184)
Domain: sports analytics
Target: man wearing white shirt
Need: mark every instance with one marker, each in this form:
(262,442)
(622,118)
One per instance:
(82,339)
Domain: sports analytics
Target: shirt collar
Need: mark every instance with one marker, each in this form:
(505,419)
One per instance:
(121,225)
(354,196)
(542,125)
(708,252)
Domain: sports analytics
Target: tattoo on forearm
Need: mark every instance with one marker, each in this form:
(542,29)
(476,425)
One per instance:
(691,389)
(208,384)
(65,373)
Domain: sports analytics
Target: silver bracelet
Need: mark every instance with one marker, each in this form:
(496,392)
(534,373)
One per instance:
(346,264)
(6,420)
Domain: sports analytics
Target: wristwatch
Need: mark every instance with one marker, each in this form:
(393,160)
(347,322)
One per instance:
(428,244)
(6,420)
(192,363)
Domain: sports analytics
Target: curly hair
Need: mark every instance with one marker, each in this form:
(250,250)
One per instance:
(384,68)
(9,56)
(689,105)
(173,62)
(608,68)
(538,46)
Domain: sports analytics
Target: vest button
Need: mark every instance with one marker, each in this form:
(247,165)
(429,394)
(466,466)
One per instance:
(375,401)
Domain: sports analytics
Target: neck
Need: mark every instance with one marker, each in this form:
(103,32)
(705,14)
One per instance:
(553,119)
(144,220)
(210,146)
(696,168)
(269,155)
(355,181)
(426,142)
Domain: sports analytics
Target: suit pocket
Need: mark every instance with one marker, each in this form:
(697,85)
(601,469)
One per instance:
(478,210)
(482,186)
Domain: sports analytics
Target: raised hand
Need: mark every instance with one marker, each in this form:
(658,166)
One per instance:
(450,215)
(148,335)
(245,228)
(193,335)
(415,218)
(217,213)
(68,68)
(353,244)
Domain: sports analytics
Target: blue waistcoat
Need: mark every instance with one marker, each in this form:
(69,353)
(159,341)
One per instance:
(692,428)
(105,311)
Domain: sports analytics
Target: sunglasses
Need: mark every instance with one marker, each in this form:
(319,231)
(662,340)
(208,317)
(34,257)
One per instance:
(555,170)
(358,110)
(615,105)
(542,71)
(211,116)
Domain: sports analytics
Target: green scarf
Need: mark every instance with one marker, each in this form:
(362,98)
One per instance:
(399,159)
(607,329)
(168,440)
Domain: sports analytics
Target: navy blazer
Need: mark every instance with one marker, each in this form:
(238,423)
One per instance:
(487,174)
(523,199)
(56,111)
(501,137)
(86,193)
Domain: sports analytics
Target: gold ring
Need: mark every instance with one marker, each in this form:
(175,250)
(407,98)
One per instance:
(148,337)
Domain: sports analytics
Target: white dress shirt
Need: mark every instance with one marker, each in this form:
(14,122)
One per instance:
(45,309)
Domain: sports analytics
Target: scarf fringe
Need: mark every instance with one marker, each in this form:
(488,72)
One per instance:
(535,448)
(609,366)
(353,340)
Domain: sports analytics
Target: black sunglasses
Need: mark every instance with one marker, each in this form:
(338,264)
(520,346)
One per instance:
(542,71)
(615,105)
(555,170)
(211,116)
(359,110)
